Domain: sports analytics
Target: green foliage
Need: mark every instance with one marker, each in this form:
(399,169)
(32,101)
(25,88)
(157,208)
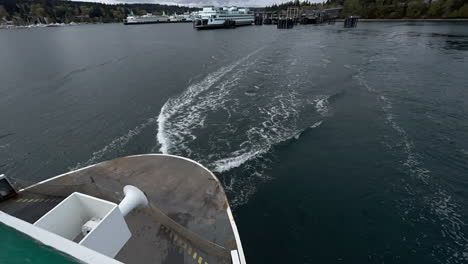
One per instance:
(463,11)
(95,12)
(23,12)
(391,9)
(3,13)
(416,9)
(352,7)
(436,9)
(452,8)
(296,3)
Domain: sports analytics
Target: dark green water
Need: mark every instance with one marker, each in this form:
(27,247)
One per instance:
(334,146)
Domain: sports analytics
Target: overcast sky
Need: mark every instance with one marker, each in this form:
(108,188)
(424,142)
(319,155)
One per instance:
(246,3)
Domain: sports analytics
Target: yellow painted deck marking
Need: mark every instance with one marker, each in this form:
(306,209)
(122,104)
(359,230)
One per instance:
(35,200)
(180,242)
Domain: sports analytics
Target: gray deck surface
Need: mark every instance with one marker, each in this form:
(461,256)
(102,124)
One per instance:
(187,221)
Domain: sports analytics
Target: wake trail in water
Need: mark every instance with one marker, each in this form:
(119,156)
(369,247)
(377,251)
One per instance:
(231,119)
(439,201)
(169,108)
(172,132)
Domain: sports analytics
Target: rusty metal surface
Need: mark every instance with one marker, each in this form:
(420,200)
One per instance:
(29,206)
(186,222)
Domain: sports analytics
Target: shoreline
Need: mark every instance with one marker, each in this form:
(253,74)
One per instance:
(410,20)
(51,25)
(10,26)
(463,20)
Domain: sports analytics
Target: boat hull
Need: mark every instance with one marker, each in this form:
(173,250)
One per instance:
(188,217)
(206,24)
(156,22)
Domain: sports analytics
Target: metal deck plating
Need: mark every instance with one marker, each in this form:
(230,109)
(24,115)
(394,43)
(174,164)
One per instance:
(188,219)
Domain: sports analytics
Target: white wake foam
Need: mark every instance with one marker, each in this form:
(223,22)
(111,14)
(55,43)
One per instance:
(234,129)
(236,160)
(316,124)
(321,104)
(172,132)
(182,115)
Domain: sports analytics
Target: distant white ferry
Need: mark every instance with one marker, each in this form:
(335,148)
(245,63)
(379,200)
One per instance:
(145,19)
(186,17)
(219,17)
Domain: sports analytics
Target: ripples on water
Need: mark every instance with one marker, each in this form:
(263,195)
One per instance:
(249,102)
(238,113)
(431,201)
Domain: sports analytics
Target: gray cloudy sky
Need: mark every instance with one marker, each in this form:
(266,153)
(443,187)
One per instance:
(248,3)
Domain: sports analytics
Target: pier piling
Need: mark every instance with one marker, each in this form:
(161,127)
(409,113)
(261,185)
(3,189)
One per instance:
(351,22)
(285,23)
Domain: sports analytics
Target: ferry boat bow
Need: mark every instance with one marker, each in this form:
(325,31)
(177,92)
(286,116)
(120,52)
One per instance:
(152,208)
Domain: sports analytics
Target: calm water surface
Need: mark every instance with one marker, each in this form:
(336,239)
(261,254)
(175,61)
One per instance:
(334,146)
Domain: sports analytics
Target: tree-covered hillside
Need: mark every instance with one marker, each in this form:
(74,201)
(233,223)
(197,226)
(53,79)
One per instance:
(24,12)
(392,9)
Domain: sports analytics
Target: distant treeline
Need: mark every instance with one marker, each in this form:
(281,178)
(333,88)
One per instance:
(390,9)
(26,12)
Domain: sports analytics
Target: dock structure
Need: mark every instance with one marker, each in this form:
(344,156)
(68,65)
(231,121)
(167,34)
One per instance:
(351,21)
(293,13)
(266,17)
(285,23)
(297,15)
(291,18)
(258,20)
(314,16)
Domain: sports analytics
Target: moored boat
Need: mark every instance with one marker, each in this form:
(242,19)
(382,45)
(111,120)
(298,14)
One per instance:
(180,18)
(145,19)
(224,17)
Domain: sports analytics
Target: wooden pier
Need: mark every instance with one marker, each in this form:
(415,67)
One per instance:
(351,22)
(285,23)
(283,18)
